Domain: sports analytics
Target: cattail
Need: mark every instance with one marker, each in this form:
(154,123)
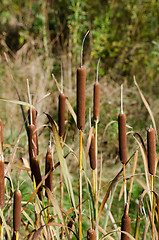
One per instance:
(81,78)
(151,150)
(61,114)
(2,188)
(125,224)
(122,138)
(1,134)
(96,101)
(92,155)
(34,113)
(91,235)
(17,210)
(48,167)
(32,142)
(35,170)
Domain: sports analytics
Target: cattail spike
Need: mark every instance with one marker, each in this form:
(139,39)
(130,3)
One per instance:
(17,210)
(61,114)
(125,224)
(91,235)
(96,102)
(122,138)
(92,154)
(34,113)
(81,78)
(48,167)
(2,187)
(151,150)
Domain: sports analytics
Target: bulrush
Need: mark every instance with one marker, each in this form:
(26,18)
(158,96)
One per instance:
(96,102)
(48,167)
(91,235)
(122,138)
(92,154)
(61,114)
(151,150)
(1,134)
(2,188)
(17,210)
(33,115)
(35,169)
(32,142)
(125,224)
(81,79)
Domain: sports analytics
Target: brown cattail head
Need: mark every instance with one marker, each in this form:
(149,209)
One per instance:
(91,235)
(122,138)
(61,114)
(81,79)
(151,150)
(1,135)
(32,142)
(35,170)
(96,102)
(48,167)
(125,224)
(34,114)
(17,210)
(92,154)
(2,187)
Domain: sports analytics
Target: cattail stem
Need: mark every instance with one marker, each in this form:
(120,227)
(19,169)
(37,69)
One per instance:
(1,232)
(152,204)
(96,177)
(16,235)
(61,185)
(94,182)
(80,185)
(124,182)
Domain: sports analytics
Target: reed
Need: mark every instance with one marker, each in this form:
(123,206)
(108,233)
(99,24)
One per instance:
(125,224)
(91,235)
(151,152)
(17,212)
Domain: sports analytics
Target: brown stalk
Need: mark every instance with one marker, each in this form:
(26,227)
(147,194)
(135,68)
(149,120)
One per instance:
(61,113)
(122,138)
(17,210)
(1,134)
(96,102)
(91,235)
(92,154)
(81,78)
(151,150)
(2,187)
(125,224)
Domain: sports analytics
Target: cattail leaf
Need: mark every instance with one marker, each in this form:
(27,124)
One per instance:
(110,233)
(36,234)
(16,102)
(5,224)
(71,111)
(29,219)
(62,162)
(146,105)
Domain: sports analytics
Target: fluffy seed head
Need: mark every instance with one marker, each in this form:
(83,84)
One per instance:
(2,187)
(96,102)
(17,210)
(125,224)
(151,150)
(122,138)
(81,79)
(92,154)
(1,135)
(61,114)
(91,235)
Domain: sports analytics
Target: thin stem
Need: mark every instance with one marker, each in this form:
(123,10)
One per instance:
(1,235)
(96,177)
(124,182)
(80,186)
(152,204)
(61,79)
(61,185)
(83,46)
(48,218)
(16,235)
(122,98)
(97,70)
(29,102)
(94,183)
